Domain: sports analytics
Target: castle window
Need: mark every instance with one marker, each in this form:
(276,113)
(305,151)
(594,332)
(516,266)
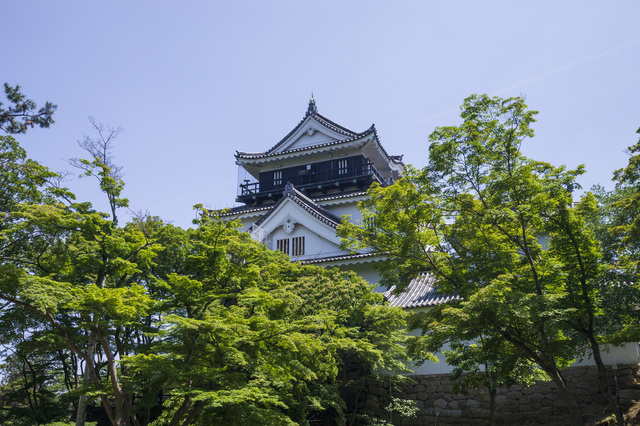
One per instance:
(370,224)
(342,167)
(283,245)
(297,246)
(277,178)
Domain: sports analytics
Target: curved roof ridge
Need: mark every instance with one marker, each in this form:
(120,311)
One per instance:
(243,154)
(337,127)
(321,213)
(325,121)
(306,203)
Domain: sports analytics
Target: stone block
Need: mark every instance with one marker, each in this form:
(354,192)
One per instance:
(544,389)
(504,417)
(476,412)
(535,406)
(624,372)
(590,391)
(472,403)
(440,403)
(516,395)
(583,385)
(553,396)
(626,380)
(576,372)
(535,397)
(630,394)
(451,413)
(454,405)
(546,402)
(378,391)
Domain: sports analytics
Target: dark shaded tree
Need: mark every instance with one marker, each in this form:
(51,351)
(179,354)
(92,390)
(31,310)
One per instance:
(21,113)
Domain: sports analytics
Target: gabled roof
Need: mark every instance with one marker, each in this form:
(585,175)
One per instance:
(341,136)
(421,292)
(317,211)
(312,110)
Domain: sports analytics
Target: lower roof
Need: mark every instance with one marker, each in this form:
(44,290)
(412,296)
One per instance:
(421,292)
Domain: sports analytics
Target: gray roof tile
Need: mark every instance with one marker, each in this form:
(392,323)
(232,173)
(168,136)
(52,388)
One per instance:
(421,292)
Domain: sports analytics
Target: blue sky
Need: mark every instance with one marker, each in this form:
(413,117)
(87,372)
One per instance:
(191,82)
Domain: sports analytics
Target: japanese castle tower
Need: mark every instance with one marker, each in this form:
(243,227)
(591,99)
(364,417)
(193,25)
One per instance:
(295,193)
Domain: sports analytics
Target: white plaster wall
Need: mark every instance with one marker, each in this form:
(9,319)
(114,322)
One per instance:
(430,367)
(317,138)
(625,354)
(345,208)
(314,245)
(366,271)
(246,223)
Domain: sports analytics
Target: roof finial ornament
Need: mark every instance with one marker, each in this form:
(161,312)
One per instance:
(288,190)
(312,105)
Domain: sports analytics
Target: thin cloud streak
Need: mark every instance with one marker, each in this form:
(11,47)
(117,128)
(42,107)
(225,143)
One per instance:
(558,70)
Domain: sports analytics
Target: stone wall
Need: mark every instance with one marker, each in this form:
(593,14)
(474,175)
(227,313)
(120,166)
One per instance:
(535,405)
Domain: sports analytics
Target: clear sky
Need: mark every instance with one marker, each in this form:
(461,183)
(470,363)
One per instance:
(192,81)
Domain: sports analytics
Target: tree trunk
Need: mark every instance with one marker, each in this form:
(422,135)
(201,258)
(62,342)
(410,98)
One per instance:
(603,382)
(492,406)
(81,414)
(574,410)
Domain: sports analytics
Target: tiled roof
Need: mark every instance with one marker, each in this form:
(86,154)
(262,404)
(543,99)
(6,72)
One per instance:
(340,258)
(339,196)
(243,209)
(306,203)
(421,292)
(312,111)
(271,153)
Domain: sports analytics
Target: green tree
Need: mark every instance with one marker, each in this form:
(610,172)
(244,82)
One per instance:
(250,338)
(616,224)
(498,229)
(479,360)
(628,181)
(71,272)
(22,112)
(201,325)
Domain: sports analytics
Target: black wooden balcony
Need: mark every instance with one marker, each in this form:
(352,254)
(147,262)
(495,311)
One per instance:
(312,179)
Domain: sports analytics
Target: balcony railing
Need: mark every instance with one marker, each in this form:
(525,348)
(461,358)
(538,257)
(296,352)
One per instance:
(306,179)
